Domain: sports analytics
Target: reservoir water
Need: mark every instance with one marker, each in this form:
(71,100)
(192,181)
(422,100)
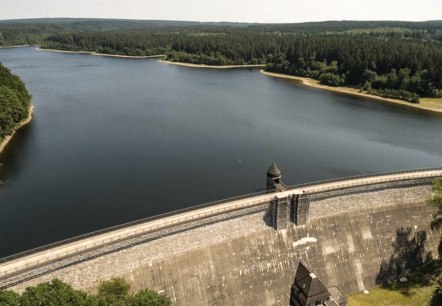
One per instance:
(115,140)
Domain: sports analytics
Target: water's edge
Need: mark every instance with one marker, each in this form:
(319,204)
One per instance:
(25,121)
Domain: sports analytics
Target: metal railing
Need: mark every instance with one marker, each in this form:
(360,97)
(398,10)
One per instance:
(371,182)
(127,224)
(169,221)
(30,263)
(355,177)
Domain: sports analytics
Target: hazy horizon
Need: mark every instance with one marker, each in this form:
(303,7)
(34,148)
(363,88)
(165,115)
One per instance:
(241,11)
(217,21)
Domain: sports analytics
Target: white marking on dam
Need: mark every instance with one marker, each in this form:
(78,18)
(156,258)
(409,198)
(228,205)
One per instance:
(330,247)
(351,243)
(303,241)
(358,272)
(366,233)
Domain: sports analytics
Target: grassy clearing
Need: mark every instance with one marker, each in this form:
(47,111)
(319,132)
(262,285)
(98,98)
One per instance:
(434,103)
(417,291)
(415,296)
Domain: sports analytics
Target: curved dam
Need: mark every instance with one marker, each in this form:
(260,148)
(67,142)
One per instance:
(245,250)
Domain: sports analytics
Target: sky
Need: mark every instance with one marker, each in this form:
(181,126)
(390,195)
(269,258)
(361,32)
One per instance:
(272,11)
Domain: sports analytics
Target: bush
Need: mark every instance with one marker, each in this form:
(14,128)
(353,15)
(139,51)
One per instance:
(436,299)
(9,298)
(114,292)
(395,94)
(55,293)
(149,297)
(330,79)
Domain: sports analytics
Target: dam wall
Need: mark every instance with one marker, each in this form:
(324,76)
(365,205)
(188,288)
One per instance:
(88,244)
(349,242)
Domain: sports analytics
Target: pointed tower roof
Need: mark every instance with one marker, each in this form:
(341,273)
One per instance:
(309,285)
(274,170)
(301,272)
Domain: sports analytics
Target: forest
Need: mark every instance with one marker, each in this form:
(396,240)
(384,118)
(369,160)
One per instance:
(14,102)
(112,292)
(387,58)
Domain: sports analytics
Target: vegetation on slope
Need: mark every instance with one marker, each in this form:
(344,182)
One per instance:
(389,67)
(423,286)
(35,31)
(396,68)
(437,201)
(418,289)
(114,292)
(132,43)
(437,224)
(387,58)
(394,62)
(14,102)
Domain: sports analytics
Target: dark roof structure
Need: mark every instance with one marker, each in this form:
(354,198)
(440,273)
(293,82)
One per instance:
(307,287)
(274,170)
(301,272)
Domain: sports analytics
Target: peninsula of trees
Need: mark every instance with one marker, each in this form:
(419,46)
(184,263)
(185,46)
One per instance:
(15,102)
(386,58)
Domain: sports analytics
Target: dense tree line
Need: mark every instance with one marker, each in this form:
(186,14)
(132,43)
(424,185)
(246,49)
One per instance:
(34,31)
(114,292)
(133,43)
(390,67)
(383,65)
(14,102)
(388,58)
(11,35)
(234,48)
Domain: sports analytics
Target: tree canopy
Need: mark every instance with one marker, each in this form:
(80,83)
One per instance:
(388,58)
(14,102)
(114,292)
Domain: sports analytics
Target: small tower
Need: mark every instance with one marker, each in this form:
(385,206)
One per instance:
(300,208)
(308,289)
(279,213)
(273,177)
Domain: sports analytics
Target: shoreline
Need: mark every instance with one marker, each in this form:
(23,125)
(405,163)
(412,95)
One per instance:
(350,91)
(213,66)
(14,46)
(424,105)
(25,121)
(103,54)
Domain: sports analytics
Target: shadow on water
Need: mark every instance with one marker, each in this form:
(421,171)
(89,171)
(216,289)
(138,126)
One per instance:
(409,256)
(116,142)
(14,156)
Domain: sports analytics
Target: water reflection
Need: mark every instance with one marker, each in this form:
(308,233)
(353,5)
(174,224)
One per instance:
(114,140)
(16,155)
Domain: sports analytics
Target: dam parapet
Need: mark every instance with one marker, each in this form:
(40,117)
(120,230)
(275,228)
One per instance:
(227,248)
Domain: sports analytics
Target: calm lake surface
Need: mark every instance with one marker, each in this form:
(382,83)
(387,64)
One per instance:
(114,140)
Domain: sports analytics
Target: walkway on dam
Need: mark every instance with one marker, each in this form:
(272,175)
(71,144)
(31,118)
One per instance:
(28,262)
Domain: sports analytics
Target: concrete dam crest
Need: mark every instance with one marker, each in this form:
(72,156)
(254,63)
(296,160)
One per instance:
(235,258)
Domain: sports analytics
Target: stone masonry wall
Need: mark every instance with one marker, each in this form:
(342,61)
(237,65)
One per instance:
(242,261)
